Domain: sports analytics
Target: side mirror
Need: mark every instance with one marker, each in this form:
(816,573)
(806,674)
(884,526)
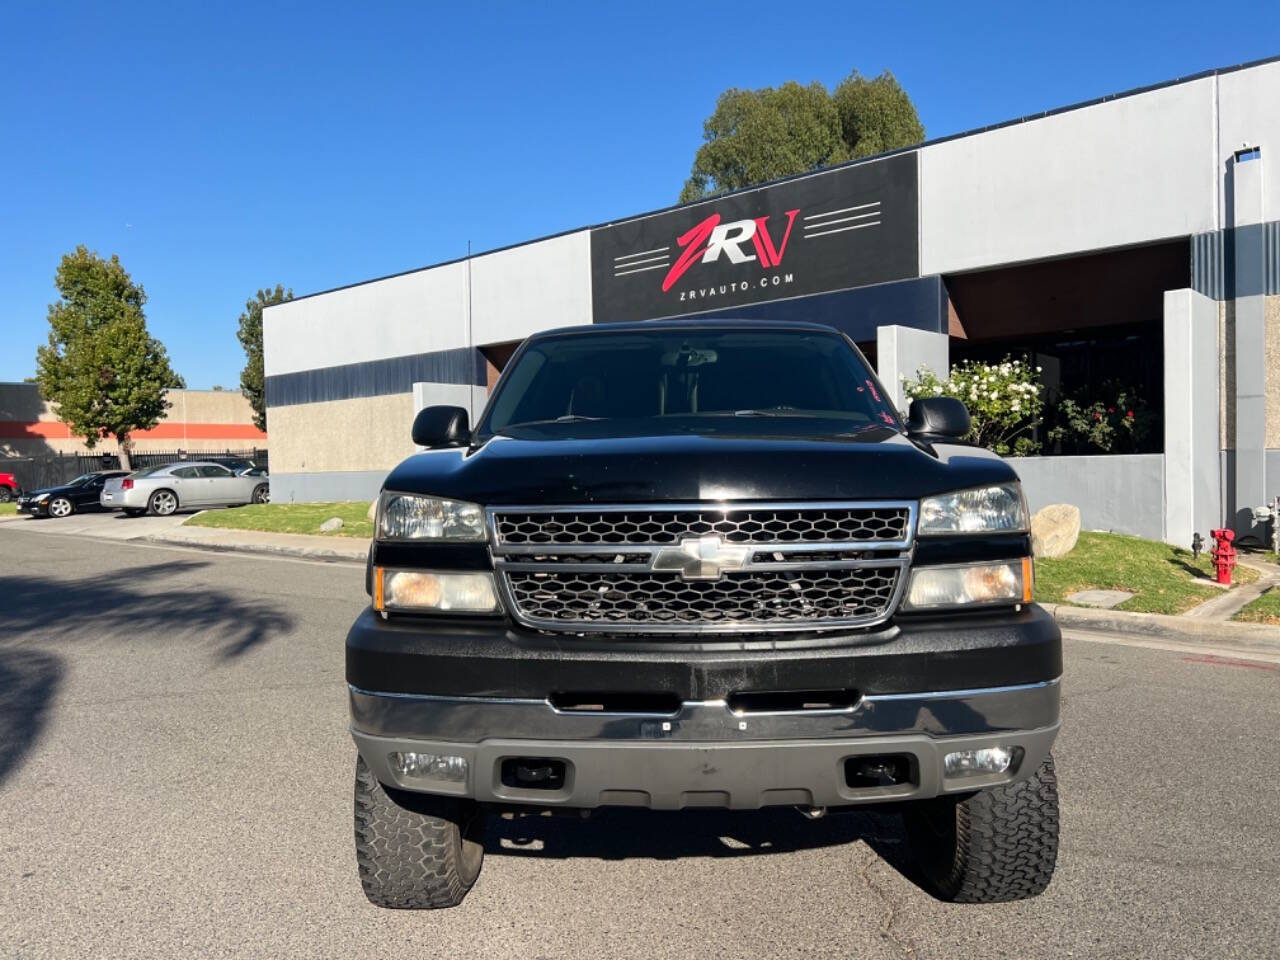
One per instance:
(436,427)
(938,417)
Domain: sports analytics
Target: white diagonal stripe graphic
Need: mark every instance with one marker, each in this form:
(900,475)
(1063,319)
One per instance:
(623,273)
(856,226)
(832,213)
(828,223)
(665,258)
(630,256)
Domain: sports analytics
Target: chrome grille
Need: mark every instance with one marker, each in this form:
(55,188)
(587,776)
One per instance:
(771,525)
(672,568)
(811,597)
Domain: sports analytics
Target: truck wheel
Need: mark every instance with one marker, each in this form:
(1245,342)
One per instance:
(994,846)
(5,494)
(415,851)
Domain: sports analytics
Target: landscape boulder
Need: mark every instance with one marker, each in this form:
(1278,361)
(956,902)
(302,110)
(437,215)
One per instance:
(332,524)
(1055,529)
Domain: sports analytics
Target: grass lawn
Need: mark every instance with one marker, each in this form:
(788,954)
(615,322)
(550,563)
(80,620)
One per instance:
(290,518)
(1266,609)
(1162,578)
(8,508)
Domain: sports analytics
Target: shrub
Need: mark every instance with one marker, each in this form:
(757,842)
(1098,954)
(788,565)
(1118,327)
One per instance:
(1004,399)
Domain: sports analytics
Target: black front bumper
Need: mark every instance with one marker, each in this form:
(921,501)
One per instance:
(455,658)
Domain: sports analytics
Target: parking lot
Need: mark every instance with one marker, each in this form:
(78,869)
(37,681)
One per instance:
(108,525)
(175,780)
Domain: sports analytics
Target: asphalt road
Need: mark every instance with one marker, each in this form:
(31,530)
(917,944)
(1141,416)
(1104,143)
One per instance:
(175,781)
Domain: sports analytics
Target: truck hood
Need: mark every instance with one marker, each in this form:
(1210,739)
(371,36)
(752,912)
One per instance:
(881,464)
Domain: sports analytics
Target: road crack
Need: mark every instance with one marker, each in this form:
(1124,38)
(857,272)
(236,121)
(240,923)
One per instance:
(892,907)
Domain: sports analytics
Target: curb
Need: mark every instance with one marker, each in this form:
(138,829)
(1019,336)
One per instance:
(260,549)
(1165,627)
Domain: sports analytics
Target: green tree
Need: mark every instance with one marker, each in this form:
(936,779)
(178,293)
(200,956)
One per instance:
(754,136)
(103,371)
(875,115)
(252,379)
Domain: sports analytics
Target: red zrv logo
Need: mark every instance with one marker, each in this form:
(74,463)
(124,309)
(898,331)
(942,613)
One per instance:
(711,238)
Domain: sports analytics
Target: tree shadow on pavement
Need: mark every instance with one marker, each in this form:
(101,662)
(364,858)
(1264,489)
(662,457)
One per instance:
(139,605)
(29,680)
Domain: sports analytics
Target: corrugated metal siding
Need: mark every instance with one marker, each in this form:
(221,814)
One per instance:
(1271,250)
(376,378)
(1207,264)
(1210,262)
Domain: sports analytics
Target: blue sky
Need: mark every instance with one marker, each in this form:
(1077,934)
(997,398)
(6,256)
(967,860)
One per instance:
(220,148)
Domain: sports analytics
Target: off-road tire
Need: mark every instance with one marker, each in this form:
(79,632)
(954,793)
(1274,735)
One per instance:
(158,506)
(993,846)
(415,851)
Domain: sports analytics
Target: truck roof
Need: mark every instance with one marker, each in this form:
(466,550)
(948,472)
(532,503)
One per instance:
(686,324)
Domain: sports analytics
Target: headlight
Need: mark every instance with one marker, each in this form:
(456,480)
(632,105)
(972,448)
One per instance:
(417,591)
(404,516)
(997,509)
(962,585)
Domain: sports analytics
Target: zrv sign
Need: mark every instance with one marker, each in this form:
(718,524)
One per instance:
(846,228)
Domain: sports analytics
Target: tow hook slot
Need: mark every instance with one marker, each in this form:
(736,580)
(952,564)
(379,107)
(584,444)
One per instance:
(533,773)
(656,704)
(793,701)
(880,770)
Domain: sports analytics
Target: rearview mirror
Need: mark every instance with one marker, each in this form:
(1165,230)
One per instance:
(441,426)
(938,417)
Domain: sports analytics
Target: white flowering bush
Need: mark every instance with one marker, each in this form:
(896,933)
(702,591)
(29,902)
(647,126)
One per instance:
(1004,399)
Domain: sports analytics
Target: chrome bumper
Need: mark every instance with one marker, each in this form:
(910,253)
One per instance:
(705,754)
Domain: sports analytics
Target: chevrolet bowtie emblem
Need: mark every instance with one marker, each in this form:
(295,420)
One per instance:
(701,558)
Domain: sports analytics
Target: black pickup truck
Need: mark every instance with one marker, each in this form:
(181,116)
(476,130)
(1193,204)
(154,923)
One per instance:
(702,564)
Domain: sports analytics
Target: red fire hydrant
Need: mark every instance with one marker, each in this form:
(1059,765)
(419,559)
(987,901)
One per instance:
(1223,553)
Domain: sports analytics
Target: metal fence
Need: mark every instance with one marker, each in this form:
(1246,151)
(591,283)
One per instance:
(33,473)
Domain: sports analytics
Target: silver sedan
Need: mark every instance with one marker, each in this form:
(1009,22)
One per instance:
(162,490)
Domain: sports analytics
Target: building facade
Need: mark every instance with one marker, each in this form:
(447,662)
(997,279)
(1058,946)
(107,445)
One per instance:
(1132,240)
(197,420)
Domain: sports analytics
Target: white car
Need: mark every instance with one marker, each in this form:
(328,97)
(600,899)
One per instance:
(163,490)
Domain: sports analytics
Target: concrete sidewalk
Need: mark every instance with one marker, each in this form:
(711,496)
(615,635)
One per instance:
(303,546)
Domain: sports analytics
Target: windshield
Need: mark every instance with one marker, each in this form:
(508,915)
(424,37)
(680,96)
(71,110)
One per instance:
(673,374)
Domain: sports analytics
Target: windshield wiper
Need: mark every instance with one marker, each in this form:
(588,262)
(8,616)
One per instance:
(567,418)
(781,411)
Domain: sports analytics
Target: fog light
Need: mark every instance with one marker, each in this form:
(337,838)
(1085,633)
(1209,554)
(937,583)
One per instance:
(987,760)
(425,592)
(429,766)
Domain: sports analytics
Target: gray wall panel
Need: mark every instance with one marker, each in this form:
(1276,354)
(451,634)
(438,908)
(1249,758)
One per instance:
(326,487)
(1121,493)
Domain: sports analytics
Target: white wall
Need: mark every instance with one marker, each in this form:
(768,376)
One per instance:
(413,313)
(535,287)
(514,293)
(1191,445)
(1131,170)
(1249,115)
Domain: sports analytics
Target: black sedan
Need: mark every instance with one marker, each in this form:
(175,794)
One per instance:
(68,498)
